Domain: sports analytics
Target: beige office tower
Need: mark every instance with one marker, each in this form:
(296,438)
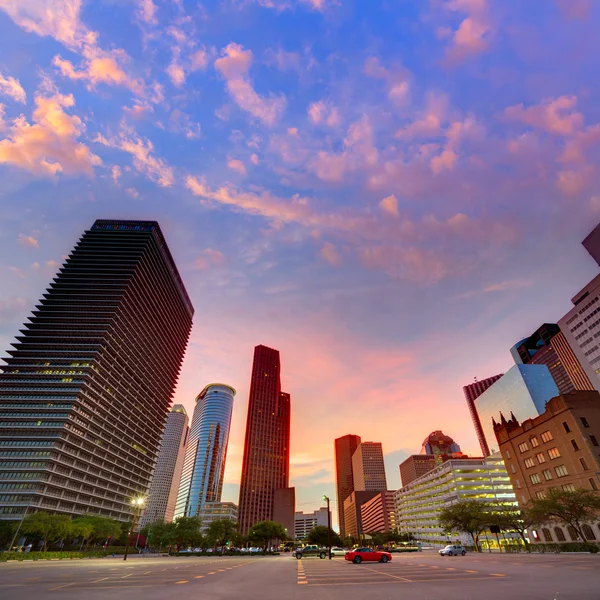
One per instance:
(162,497)
(368,469)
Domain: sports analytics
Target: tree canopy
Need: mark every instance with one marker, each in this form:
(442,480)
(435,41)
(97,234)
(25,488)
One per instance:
(318,535)
(265,531)
(221,531)
(468,516)
(48,527)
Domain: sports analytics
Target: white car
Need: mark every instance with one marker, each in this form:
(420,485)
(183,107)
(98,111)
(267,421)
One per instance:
(453,550)
(338,552)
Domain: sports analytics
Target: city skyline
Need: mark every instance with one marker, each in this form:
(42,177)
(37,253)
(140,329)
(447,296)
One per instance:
(390,203)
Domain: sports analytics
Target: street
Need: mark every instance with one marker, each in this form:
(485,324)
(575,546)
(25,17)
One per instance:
(424,576)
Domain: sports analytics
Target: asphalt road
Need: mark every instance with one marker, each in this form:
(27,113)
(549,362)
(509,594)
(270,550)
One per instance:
(424,576)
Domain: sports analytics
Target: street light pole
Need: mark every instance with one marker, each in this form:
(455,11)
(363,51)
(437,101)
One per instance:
(18,528)
(328,527)
(138,503)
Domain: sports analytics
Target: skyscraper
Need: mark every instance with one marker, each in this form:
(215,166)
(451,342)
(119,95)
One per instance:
(439,444)
(160,505)
(204,464)
(266,462)
(472,392)
(86,389)
(345,447)
(546,347)
(415,466)
(368,468)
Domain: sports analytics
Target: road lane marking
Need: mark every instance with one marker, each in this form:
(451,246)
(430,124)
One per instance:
(470,571)
(62,586)
(212,573)
(182,581)
(198,576)
(97,580)
(497,575)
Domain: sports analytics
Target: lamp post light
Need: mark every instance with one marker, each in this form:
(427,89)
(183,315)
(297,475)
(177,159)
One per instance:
(138,503)
(328,528)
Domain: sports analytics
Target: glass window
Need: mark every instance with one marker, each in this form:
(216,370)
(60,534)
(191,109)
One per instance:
(568,487)
(593,483)
(584,422)
(546,436)
(529,462)
(553,453)
(574,444)
(561,471)
(540,494)
(523,447)
(547,474)
(541,457)
(593,440)
(583,464)
(534,442)
(507,454)
(535,479)
(566,426)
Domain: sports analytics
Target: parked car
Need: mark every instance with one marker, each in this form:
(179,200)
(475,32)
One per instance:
(453,550)
(338,552)
(366,554)
(310,551)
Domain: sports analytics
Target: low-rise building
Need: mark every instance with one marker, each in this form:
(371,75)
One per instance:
(213,511)
(419,503)
(352,514)
(558,449)
(378,513)
(305,522)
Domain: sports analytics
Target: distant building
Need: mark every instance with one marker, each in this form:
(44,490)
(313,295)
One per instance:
(592,244)
(216,511)
(352,514)
(472,392)
(305,522)
(284,508)
(368,468)
(266,462)
(162,497)
(558,449)
(415,466)
(345,447)
(581,328)
(204,464)
(419,503)
(522,391)
(437,443)
(378,514)
(548,346)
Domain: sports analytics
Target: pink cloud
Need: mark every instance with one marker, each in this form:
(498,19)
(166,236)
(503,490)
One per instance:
(556,116)
(390,205)
(473,34)
(11,87)
(574,182)
(237,166)
(209,258)
(146,11)
(576,9)
(330,254)
(323,113)
(396,79)
(28,240)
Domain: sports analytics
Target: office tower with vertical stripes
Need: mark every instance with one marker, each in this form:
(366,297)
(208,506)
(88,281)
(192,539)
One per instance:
(86,389)
(266,462)
(345,447)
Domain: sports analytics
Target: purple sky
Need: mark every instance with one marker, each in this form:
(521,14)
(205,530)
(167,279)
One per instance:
(392,193)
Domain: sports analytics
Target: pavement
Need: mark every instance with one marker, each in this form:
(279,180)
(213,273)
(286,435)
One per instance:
(423,576)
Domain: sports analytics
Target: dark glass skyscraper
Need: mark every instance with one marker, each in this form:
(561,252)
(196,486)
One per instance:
(345,447)
(266,463)
(204,465)
(85,392)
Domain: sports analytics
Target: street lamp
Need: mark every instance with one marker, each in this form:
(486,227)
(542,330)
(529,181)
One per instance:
(138,503)
(328,527)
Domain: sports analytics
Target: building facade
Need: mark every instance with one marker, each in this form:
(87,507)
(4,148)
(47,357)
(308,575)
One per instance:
(204,464)
(559,448)
(352,514)
(592,244)
(345,447)
(439,444)
(581,328)
(266,461)
(160,505)
(368,468)
(305,522)
(284,508)
(216,511)
(522,391)
(419,503)
(379,513)
(415,466)
(472,392)
(86,389)
(547,346)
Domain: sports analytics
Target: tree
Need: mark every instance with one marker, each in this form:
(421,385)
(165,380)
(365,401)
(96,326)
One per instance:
(103,527)
(265,531)
(159,534)
(570,508)
(187,532)
(348,541)
(7,531)
(513,519)
(220,532)
(469,516)
(82,527)
(318,535)
(48,527)
(377,538)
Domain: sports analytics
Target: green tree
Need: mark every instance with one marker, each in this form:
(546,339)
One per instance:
(468,516)
(48,527)
(348,541)
(103,527)
(159,534)
(7,531)
(377,538)
(318,535)
(512,519)
(187,532)
(570,508)
(220,532)
(82,527)
(265,531)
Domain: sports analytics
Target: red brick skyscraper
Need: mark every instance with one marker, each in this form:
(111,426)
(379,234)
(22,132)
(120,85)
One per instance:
(344,449)
(266,464)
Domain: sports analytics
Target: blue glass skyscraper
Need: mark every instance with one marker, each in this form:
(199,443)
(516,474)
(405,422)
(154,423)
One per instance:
(204,465)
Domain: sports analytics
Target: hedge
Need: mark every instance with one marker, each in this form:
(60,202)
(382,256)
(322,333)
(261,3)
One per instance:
(566,547)
(227,553)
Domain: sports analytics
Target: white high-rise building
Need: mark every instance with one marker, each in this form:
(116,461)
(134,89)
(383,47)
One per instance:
(304,522)
(160,504)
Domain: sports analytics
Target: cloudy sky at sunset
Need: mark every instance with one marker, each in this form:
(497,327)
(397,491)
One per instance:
(390,192)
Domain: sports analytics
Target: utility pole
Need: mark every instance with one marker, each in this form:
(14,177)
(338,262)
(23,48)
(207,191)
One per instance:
(328,527)
(138,503)
(18,528)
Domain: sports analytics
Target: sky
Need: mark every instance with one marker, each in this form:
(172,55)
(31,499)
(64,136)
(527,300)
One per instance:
(392,193)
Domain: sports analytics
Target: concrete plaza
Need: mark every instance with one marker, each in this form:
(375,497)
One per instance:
(424,576)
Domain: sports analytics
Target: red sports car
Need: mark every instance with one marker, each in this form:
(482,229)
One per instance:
(366,554)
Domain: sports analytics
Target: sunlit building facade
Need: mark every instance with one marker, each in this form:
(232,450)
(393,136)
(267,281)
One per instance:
(368,468)
(378,514)
(204,464)
(86,389)
(419,503)
(160,504)
(217,511)
(305,522)
(345,447)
